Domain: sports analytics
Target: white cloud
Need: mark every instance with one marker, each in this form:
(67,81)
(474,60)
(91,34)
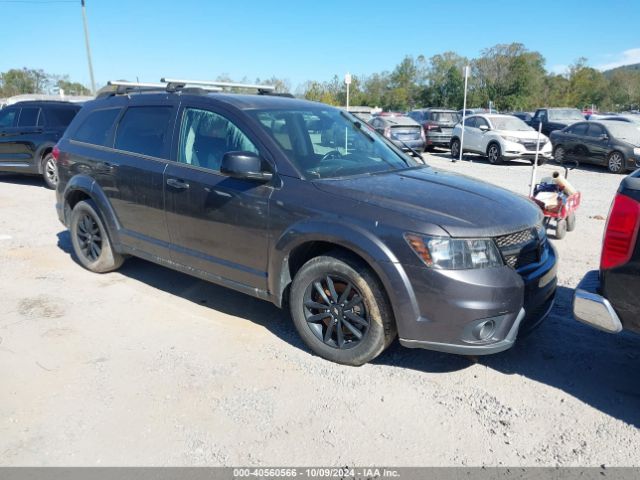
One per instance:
(627,57)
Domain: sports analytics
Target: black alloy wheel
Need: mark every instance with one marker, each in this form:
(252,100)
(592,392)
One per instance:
(335,312)
(89,237)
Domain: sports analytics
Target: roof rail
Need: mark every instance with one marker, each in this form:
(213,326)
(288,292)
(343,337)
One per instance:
(178,83)
(124,87)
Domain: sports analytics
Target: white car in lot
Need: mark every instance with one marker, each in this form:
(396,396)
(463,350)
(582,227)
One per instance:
(500,138)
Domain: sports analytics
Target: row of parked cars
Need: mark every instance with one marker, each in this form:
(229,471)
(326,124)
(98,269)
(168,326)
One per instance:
(302,205)
(611,140)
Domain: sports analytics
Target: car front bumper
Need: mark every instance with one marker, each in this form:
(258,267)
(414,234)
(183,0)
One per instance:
(518,150)
(479,312)
(592,308)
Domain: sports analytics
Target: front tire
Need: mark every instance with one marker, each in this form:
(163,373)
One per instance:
(340,309)
(559,154)
(494,154)
(90,239)
(561,228)
(50,171)
(615,162)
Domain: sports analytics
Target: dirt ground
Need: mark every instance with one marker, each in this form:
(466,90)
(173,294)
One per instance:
(147,366)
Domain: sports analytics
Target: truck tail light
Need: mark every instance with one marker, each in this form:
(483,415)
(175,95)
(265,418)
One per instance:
(621,232)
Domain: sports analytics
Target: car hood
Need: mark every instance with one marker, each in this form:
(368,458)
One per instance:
(462,206)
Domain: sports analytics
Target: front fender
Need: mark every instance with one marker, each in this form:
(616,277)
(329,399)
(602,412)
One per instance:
(86,185)
(362,242)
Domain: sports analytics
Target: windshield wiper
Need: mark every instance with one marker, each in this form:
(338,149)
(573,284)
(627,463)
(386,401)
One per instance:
(414,153)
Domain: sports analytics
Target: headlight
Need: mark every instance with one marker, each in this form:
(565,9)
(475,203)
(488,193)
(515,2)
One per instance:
(455,254)
(511,139)
(541,230)
(636,152)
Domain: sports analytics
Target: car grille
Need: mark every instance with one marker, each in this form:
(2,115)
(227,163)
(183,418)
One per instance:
(521,248)
(513,239)
(532,145)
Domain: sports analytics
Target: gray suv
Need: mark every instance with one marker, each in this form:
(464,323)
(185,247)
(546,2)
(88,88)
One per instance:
(438,125)
(360,241)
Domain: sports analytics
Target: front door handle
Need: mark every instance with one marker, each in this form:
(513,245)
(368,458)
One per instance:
(177,183)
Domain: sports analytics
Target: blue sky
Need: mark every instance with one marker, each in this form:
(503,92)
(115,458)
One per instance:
(302,40)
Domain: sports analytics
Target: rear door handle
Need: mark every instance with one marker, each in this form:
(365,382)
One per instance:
(177,183)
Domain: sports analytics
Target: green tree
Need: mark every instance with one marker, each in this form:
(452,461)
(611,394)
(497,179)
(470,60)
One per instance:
(509,75)
(445,81)
(587,86)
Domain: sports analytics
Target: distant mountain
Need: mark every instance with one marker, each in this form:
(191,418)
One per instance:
(632,68)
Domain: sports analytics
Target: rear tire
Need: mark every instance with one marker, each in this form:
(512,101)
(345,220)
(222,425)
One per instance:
(571,222)
(50,171)
(90,239)
(494,154)
(561,228)
(350,328)
(455,149)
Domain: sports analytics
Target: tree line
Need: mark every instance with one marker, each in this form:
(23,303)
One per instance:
(17,81)
(509,75)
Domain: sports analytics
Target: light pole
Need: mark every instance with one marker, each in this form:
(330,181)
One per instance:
(347,81)
(464,111)
(86,41)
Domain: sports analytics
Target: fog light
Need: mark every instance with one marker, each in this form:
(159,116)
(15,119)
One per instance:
(484,330)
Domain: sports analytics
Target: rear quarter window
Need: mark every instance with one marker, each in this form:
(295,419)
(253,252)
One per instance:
(97,126)
(60,117)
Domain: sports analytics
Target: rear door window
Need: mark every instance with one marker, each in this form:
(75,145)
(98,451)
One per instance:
(470,122)
(144,130)
(595,130)
(578,129)
(8,117)
(28,117)
(96,128)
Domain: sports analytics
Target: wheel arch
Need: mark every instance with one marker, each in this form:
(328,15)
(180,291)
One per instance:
(83,187)
(42,151)
(308,240)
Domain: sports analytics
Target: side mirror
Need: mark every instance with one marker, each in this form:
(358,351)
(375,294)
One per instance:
(245,165)
(484,128)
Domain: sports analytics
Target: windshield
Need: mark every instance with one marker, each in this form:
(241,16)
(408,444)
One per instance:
(328,143)
(566,114)
(628,132)
(510,123)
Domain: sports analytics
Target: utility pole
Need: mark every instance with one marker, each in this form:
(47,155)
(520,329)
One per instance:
(86,41)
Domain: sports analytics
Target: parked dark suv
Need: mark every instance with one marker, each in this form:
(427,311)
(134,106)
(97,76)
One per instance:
(28,132)
(360,240)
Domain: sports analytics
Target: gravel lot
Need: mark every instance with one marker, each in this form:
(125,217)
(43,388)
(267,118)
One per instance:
(147,366)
